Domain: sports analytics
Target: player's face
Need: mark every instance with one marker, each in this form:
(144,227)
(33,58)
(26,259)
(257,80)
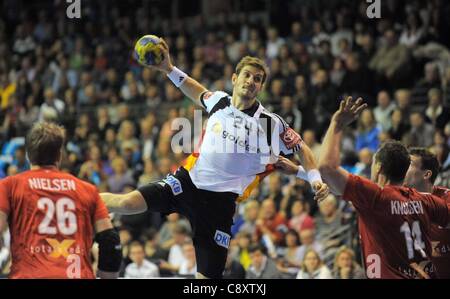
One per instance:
(415,176)
(248,83)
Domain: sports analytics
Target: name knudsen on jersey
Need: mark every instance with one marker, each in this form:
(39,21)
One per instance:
(237,135)
(406,208)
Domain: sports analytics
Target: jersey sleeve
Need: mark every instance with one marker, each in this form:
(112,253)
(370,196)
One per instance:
(440,210)
(289,141)
(210,99)
(4,196)
(361,192)
(100,211)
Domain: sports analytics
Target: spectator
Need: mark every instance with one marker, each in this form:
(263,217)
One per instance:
(437,113)
(383,110)
(430,80)
(308,241)
(398,127)
(167,230)
(300,219)
(52,108)
(251,210)
(122,175)
(140,267)
(403,101)
(309,137)
(262,266)
(391,61)
(358,79)
(233,269)
(290,260)
(333,229)
(345,266)
(364,163)
(313,267)
(274,42)
(421,133)
(188,267)
(368,132)
(271,226)
(290,113)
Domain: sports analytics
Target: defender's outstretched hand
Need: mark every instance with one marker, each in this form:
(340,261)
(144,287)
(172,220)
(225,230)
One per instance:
(321,191)
(349,110)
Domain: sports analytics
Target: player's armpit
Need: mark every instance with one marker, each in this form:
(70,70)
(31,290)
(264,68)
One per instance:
(3,222)
(126,204)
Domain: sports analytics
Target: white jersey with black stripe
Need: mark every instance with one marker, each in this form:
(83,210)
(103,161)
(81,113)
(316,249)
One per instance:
(237,145)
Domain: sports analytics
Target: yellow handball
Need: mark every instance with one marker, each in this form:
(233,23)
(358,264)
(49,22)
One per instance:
(147,52)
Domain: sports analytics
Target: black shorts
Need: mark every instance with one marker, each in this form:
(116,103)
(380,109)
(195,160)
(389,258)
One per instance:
(210,214)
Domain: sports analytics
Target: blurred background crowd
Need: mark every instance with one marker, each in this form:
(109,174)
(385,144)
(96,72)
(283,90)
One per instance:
(118,115)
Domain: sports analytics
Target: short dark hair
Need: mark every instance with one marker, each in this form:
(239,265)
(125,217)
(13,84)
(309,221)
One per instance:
(257,247)
(429,161)
(44,143)
(394,159)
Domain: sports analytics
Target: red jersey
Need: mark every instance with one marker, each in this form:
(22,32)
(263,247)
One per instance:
(51,218)
(394,227)
(440,239)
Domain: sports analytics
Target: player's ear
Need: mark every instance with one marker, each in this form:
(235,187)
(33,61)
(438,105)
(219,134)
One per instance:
(234,78)
(428,174)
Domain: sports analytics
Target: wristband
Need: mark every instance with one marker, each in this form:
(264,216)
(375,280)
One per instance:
(314,176)
(177,76)
(301,174)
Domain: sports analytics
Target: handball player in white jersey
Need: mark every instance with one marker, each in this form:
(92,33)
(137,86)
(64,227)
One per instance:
(241,144)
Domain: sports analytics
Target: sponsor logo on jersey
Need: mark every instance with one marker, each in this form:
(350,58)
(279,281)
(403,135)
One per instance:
(174,184)
(217,128)
(222,239)
(290,138)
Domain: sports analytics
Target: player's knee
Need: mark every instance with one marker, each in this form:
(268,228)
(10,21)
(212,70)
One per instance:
(110,250)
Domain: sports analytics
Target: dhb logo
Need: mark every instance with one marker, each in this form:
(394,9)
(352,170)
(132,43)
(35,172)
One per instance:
(373,11)
(174,184)
(222,239)
(73,11)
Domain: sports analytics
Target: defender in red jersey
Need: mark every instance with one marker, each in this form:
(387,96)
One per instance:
(394,221)
(421,175)
(53,216)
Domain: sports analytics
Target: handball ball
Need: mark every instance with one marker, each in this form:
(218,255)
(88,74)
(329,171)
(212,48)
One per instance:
(147,52)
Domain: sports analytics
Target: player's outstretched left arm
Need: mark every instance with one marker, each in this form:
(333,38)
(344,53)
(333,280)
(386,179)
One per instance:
(329,162)
(126,204)
(189,86)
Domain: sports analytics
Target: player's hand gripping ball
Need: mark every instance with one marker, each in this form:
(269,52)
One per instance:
(147,51)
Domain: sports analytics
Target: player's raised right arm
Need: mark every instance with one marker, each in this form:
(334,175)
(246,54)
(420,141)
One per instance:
(126,204)
(190,87)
